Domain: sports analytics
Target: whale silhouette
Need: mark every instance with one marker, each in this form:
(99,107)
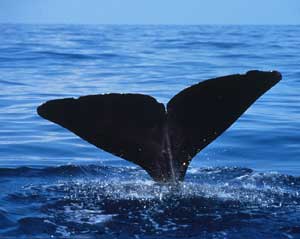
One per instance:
(162,140)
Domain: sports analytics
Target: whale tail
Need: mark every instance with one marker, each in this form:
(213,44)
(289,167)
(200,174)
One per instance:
(161,140)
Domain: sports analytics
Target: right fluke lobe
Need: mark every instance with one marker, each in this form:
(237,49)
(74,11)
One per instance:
(162,141)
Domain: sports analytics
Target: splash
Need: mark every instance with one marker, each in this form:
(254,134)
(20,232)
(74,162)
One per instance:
(212,203)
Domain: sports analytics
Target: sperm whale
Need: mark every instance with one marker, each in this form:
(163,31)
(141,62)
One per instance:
(162,140)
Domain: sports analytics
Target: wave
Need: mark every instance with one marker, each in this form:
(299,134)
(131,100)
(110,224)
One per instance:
(64,170)
(74,56)
(198,175)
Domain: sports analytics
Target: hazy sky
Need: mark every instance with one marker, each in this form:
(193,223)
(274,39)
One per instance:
(151,11)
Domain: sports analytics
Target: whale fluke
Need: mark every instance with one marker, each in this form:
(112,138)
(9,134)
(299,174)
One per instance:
(161,140)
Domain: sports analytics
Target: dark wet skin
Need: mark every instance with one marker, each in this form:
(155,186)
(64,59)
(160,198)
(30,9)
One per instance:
(161,140)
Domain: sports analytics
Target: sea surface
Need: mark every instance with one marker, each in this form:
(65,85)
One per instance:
(246,184)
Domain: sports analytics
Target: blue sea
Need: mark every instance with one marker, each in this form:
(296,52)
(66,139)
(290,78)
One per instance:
(245,184)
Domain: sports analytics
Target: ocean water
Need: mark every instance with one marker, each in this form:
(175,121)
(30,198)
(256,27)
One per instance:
(246,184)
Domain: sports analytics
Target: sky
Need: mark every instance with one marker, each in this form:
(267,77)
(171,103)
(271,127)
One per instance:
(151,11)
